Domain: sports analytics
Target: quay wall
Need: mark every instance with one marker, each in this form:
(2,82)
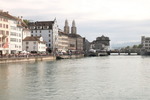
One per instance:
(10,60)
(70,56)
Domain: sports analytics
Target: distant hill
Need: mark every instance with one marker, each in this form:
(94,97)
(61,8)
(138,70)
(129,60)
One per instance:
(121,45)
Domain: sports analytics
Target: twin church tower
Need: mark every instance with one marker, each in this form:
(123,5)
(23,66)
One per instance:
(67,28)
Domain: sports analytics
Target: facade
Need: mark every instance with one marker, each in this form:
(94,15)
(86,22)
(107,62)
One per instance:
(86,45)
(48,30)
(63,42)
(145,41)
(101,43)
(70,41)
(34,44)
(10,33)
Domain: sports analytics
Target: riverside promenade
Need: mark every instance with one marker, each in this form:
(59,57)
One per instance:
(26,58)
(35,57)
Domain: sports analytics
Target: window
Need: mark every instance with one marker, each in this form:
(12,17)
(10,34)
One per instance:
(27,43)
(13,39)
(0,25)
(49,45)
(19,35)
(7,32)
(13,34)
(49,35)
(40,31)
(3,25)
(49,40)
(34,47)
(6,26)
(31,31)
(27,47)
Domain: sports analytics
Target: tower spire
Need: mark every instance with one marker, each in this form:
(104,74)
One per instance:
(73,28)
(66,27)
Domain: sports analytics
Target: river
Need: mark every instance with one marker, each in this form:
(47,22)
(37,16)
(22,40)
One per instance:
(91,78)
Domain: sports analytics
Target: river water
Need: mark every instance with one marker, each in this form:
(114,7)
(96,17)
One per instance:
(93,78)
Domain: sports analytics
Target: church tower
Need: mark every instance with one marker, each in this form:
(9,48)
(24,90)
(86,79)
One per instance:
(73,28)
(66,27)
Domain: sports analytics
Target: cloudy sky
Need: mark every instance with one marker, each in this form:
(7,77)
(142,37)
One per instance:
(122,20)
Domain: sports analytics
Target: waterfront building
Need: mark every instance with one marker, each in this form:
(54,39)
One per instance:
(63,42)
(70,41)
(48,30)
(101,43)
(10,33)
(34,44)
(75,40)
(145,41)
(25,31)
(86,46)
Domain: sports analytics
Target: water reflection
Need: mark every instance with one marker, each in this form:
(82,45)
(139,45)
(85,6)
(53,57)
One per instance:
(97,78)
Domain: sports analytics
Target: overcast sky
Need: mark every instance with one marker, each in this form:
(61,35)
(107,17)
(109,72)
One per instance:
(121,20)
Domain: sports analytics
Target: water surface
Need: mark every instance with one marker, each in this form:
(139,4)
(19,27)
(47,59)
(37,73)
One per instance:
(93,78)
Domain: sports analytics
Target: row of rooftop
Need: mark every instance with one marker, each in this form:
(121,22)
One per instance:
(17,35)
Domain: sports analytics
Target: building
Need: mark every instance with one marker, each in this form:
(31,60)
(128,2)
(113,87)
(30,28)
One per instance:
(145,41)
(34,44)
(101,43)
(86,46)
(75,40)
(70,41)
(48,30)
(63,42)
(10,33)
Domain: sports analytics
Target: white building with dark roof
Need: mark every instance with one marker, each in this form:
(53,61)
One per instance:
(48,30)
(34,44)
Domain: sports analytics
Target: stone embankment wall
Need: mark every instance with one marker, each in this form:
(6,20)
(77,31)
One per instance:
(9,60)
(70,56)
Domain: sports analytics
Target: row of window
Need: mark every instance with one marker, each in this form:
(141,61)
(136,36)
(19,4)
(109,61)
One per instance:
(15,40)
(4,32)
(39,31)
(3,19)
(3,25)
(28,43)
(34,47)
(15,34)
(146,45)
(3,40)
(147,48)
(49,45)
(147,41)
(41,35)
(15,28)
(16,46)
(40,27)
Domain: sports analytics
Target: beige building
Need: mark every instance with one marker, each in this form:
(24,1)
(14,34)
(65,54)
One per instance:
(63,42)
(75,40)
